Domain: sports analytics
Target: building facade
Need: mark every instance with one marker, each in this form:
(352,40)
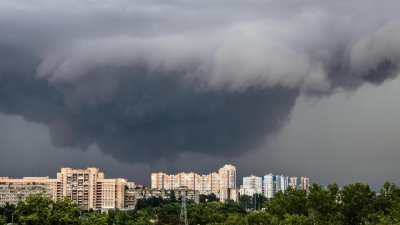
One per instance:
(87,188)
(132,195)
(293,182)
(283,183)
(270,185)
(305,184)
(14,193)
(273,184)
(251,185)
(223,183)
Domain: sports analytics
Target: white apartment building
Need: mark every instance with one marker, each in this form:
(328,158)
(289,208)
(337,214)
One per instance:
(270,185)
(251,185)
(274,183)
(223,183)
(283,183)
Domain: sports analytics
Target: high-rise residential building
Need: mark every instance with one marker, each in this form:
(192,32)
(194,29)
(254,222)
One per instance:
(283,183)
(305,183)
(87,188)
(227,183)
(293,182)
(273,184)
(223,183)
(251,185)
(253,182)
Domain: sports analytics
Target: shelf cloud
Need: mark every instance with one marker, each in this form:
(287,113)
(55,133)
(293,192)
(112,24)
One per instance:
(147,81)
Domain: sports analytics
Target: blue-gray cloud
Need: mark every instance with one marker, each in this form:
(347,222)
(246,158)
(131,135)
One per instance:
(151,80)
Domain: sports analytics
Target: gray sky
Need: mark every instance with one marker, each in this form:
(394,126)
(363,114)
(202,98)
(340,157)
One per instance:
(133,87)
(347,137)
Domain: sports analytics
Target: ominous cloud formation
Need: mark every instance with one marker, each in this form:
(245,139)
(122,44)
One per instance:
(150,80)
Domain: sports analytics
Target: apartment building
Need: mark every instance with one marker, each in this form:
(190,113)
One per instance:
(87,188)
(273,184)
(251,185)
(283,183)
(270,185)
(14,193)
(223,183)
(45,182)
(305,184)
(293,182)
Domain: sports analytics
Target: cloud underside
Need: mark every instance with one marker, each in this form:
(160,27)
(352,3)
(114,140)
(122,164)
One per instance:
(219,85)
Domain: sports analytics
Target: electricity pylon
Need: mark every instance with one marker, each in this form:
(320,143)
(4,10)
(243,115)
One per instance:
(183,209)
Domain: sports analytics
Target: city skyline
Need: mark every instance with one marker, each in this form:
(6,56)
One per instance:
(133,87)
(90,189)
(50,177)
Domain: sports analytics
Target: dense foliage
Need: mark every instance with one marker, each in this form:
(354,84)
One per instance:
(353,204)
(208,198)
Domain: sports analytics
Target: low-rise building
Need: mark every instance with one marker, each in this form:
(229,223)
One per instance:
(13,193)
(133,195)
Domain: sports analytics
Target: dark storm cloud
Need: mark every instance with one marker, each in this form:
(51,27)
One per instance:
(150,80)
(147,116)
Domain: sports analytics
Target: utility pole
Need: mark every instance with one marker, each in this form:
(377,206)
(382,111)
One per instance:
(183,209)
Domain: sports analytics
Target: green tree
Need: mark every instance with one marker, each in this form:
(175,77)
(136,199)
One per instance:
(246,200)
(357,202)
(2,221)
(172,197)
(198,214)
(94,218)
(7,211)
(231,207)
(388,198)
(296,219)
(35,210)
(292,201)
(64,211)
(111,214)
(323,203)
(258,201)
(170,214)
(236,219)
(208,198)
(261,218)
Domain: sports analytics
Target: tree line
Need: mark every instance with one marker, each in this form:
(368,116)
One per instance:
(352,204)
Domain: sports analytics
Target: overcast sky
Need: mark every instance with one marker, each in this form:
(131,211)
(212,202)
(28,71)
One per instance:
(134,87)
